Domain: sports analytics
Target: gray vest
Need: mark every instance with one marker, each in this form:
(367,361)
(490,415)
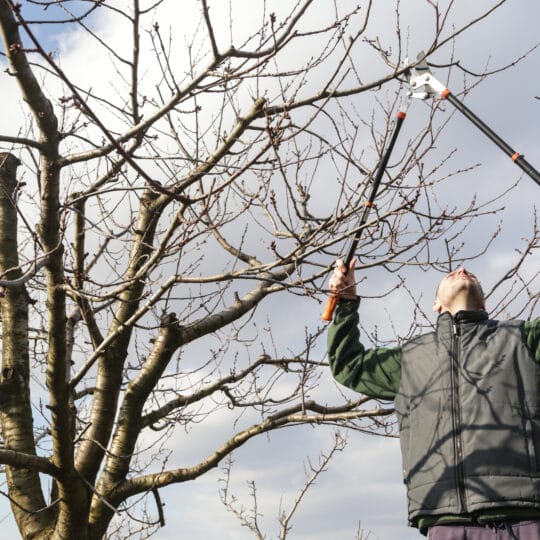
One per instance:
(469,415)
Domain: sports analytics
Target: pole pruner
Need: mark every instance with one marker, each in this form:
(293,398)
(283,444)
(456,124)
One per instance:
(334,298)
(424,85)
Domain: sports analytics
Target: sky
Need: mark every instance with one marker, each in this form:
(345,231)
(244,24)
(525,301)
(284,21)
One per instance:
(362,485)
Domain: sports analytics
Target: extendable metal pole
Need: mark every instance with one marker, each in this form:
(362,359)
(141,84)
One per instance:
(425,79)
(516,157)
(334,298)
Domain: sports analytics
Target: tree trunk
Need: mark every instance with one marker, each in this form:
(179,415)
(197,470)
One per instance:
(27,501)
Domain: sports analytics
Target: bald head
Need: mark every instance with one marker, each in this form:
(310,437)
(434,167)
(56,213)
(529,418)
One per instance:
(459,290)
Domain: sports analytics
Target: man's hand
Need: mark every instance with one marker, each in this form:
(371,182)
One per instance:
(343,282)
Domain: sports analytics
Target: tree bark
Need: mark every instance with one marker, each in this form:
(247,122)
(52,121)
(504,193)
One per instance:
(27,501)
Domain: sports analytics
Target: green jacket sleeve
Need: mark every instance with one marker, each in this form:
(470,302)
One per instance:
(373,372)
(532,337)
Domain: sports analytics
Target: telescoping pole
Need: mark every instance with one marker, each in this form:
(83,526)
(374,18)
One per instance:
(333,299)
(516,157)
(422,78)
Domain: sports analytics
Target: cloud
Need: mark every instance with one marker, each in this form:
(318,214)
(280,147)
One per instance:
(363,483)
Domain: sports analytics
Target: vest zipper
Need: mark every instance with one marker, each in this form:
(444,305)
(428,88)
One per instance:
(456,418)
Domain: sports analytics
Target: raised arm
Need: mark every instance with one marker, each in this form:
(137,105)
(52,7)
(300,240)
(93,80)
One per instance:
(373,372)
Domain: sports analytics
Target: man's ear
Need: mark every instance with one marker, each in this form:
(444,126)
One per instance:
(437,306)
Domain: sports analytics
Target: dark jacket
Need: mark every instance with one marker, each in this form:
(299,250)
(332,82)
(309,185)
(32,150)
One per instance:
(467,398)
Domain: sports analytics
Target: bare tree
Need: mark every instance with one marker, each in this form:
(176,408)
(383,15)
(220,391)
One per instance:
(150,208)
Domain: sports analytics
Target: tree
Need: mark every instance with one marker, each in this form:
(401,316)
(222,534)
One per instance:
(155,201)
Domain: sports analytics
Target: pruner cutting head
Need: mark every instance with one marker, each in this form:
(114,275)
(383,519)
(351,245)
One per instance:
(422,83)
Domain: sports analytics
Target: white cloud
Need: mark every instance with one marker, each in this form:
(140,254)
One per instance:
(363,484)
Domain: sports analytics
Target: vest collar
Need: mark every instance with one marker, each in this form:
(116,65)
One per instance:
(446,323)
(471,316)
(463,316)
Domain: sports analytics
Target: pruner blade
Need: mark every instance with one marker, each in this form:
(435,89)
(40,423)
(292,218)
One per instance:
(422,83)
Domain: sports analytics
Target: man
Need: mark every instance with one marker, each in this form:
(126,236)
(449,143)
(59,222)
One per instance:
(467,397)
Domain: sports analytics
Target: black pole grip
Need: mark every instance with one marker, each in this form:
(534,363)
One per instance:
(333,299)
(525,166)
